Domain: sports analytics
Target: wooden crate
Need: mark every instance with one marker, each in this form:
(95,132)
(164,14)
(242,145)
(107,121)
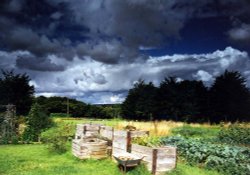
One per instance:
(158,160)
(85,148)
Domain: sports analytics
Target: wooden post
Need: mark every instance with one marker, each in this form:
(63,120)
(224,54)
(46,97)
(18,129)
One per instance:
(84,129)
(113,133)
(154,161)
(129,141)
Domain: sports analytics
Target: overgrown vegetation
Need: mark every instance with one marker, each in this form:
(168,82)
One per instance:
(150,141)
(236,134)
(226,159)
(37,121)
(188,131)
(57,137)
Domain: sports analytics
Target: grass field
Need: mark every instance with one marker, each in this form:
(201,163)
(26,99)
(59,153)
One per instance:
(158,128)
(36,160)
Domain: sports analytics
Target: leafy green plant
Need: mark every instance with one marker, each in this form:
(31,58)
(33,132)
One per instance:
(147,141)
(56,138)
(238,134)
(230,160)
(37,121)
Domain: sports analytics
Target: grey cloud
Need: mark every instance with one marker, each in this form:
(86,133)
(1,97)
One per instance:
(37,63)
(99,82)
(107,52)
(56,15)
(115,30)
(241,33)
(26,39)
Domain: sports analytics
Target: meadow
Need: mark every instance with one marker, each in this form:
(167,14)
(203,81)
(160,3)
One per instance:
(36,159)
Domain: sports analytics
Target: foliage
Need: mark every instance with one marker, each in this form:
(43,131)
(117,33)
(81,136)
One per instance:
(15,89)
(185,100)
(147,141)
(59,105)
(235,134)
(140,102)
(188,131)
(230,160)
(57,137)
(60,115)
(229,98)
(37,121)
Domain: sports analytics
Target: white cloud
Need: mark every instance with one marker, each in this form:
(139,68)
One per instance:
(203,76)
(95,82)
(240,33)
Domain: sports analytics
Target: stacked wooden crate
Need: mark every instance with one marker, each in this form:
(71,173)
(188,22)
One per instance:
(89,148)
(83,130)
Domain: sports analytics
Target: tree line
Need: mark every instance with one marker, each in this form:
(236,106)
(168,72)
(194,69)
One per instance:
(228,99)
(15,89)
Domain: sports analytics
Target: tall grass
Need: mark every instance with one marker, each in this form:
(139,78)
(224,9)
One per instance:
(156,128)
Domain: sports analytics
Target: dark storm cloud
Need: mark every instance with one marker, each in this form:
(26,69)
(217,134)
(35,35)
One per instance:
(110,52)
(109,31)
(37,63)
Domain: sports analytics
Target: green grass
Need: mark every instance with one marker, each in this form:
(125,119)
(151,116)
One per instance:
(184,169)
(36,160)
(188,131)
(106,122)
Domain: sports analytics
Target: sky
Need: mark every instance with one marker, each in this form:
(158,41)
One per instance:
(95,50)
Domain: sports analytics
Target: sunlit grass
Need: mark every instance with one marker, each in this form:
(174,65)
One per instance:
(156,128)
(36,160)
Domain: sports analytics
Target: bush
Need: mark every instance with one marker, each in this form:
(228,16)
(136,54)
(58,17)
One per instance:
(235,134)
(147,141)
(230,160)
(57,137)
(37,121)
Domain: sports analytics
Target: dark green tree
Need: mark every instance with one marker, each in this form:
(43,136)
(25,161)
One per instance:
(140,102)
(186,100)
(15,89)
(229,98)
(37,121)
(59,105)
(168,99)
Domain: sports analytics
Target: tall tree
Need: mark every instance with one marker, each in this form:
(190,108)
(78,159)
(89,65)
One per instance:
(168,99)
(185,100)
(229,98)
(15,89)
(140,102)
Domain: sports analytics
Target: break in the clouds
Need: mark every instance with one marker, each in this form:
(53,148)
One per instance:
(94,50)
